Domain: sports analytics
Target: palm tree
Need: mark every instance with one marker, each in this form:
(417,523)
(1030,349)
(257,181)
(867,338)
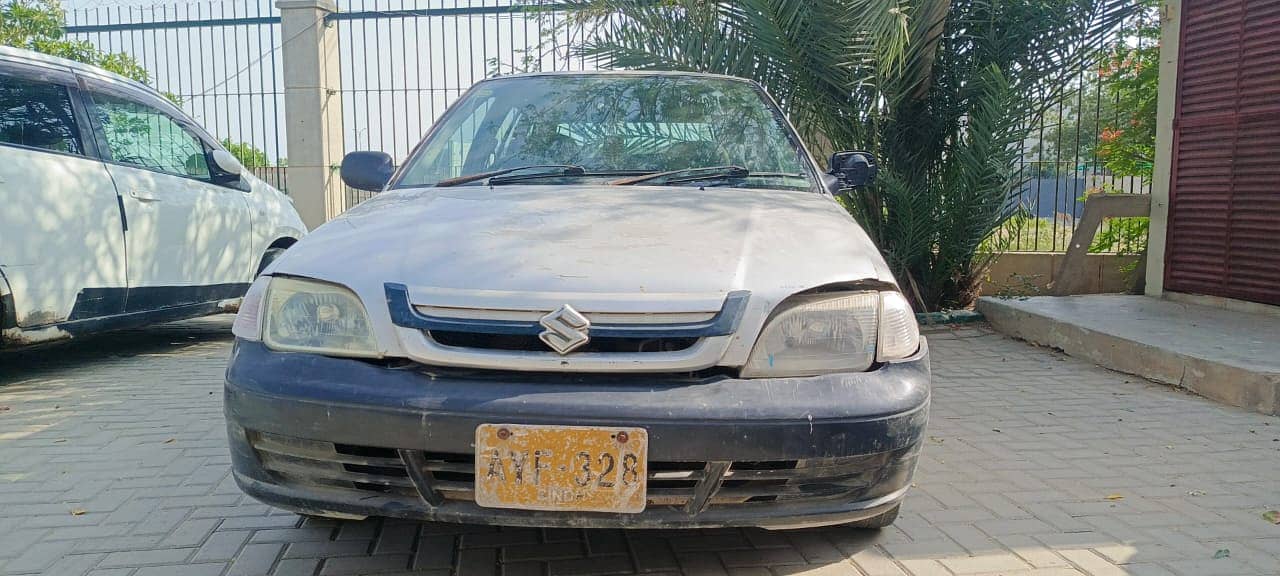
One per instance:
(940,90)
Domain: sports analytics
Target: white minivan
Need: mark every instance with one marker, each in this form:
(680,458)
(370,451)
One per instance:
(116,209)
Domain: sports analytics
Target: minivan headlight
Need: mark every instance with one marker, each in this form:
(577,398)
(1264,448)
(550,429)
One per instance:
(308,316)
(824,333)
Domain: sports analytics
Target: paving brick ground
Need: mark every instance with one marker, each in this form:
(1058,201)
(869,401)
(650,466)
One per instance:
(113,462)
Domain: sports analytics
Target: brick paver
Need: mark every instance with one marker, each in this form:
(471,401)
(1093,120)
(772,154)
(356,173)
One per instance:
(113,462)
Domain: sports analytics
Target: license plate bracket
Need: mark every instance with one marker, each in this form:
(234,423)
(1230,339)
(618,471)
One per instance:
(561,468)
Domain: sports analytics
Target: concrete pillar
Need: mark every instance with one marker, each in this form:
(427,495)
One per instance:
(313,108)
(1170,36)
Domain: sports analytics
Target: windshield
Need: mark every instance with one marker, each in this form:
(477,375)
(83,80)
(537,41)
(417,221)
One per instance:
(613,125)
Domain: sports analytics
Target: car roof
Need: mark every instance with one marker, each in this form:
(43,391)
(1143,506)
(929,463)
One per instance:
(9,53)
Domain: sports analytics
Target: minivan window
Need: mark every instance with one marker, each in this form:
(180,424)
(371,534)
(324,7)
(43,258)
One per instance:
(610,125)
(143,136)
(38,115)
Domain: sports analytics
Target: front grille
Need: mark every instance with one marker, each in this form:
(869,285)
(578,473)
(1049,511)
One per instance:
(525,343)
(334,465)
(451,476)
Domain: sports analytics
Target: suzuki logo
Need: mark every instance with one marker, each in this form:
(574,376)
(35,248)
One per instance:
(566,330)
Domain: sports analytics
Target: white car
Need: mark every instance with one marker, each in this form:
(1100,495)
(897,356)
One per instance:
(587,300)
(116,209)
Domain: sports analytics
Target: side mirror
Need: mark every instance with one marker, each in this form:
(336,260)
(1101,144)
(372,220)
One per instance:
(367,170)
(225,167)
(853,168)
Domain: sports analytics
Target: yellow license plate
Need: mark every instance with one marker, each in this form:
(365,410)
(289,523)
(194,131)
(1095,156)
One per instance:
(569,468)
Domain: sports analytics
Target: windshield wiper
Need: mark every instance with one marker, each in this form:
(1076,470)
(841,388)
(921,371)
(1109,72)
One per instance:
(561,170)
(522,177)
(703,173)
(713,173)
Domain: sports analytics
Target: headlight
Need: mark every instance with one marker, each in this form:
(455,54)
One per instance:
(309,316)
(899,333)
(248,324)
(825,333)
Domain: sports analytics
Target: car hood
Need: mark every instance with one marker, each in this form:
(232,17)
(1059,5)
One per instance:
(591,239)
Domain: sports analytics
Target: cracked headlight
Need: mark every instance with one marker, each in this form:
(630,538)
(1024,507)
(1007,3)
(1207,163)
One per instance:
(308,316)
(825,333)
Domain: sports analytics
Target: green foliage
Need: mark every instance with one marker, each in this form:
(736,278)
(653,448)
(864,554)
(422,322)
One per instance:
(938,89)
(1027,233)
(246,153)
(1068,140)
(37,25)
(1122,236)
(1114,105)
(1127,145)
(23,21)
(1132,79)
(1125,236)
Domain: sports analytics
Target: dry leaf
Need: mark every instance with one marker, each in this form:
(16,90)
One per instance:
(1272,516)
(1115,497)
(170,441)
(77,511)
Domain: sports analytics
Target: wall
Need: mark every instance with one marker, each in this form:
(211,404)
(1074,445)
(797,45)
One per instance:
(1029,274)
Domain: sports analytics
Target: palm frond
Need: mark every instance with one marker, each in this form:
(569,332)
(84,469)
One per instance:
(937,88)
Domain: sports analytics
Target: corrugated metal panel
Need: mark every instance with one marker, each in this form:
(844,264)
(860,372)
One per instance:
(1224,218)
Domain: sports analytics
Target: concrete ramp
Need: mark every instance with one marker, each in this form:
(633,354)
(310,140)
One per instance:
(1226,355)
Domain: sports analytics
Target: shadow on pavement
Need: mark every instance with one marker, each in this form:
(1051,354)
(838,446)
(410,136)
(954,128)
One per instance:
(160,339)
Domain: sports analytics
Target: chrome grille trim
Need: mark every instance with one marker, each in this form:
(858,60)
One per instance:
(725,322)
(597,318)
(705,353)
(714,333)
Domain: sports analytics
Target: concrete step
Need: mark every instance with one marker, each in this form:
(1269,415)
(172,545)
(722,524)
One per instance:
(1226,355)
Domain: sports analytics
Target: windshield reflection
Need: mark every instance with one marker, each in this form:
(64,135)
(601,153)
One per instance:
(611,124)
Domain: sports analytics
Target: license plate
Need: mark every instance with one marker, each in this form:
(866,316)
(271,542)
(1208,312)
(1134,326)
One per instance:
(569,468)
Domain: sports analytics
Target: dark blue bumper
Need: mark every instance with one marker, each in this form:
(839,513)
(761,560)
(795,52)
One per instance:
(866,425)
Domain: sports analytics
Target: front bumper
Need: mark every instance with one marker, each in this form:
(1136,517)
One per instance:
(327,435)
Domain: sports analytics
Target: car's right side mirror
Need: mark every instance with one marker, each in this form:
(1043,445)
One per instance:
(367,170)
(853,168)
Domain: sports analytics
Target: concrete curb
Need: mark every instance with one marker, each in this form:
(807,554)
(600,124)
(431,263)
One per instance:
(1226,383)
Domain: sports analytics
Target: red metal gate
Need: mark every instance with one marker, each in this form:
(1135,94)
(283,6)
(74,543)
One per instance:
(1224,217)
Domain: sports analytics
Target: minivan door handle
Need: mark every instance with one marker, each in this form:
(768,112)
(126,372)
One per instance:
(143,195)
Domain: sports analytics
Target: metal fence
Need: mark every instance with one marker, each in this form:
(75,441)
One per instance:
(218,60)
(1060,162)
(403,62)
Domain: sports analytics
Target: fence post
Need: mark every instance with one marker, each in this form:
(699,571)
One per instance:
(313,108)
(1162,173)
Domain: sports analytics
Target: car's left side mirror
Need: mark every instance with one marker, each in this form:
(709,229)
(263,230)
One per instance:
(853,168)
(226,169)
(367,170)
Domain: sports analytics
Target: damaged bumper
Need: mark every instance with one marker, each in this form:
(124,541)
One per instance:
(327,435)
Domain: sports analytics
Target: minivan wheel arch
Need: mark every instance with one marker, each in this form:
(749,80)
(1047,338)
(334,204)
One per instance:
(8,313)
(273,251)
